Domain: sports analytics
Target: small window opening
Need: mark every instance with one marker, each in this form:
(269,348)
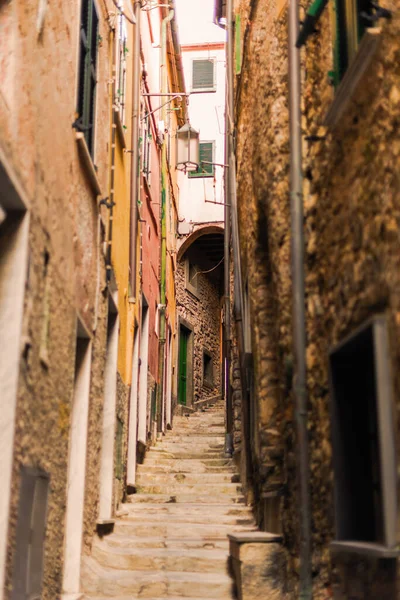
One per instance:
(363,437)
(192,276)
(207,369)
(350,27)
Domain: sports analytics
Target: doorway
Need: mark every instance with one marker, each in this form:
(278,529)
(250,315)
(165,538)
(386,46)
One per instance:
(143,368)
(183,370)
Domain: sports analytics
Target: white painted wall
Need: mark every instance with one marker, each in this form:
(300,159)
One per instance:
(133,413)
(207,115)
(13,267)
(144,361)
(109,418)
(77,472)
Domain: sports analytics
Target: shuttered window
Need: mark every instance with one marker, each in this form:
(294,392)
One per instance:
(351,22)
(206,151)
(87,71)
(119,459)
(203,74)
(146,143)
(30,535)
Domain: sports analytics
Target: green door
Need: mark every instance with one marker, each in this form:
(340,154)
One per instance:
(182,371)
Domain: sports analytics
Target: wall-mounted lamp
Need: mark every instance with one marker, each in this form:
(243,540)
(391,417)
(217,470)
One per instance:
(187,148)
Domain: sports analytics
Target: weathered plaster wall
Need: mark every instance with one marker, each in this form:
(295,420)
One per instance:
(66,266)
(204,314)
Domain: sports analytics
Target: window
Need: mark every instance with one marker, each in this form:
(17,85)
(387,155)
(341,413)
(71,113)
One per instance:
(363,441)
(207,369)
(206,156)
(351,23)
(191,276)
(203,74)
(31,529)
(85,121)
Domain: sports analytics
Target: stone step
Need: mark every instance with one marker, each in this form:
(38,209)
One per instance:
(130,597)
(145,584)
(182,530)
(186,498)
(210,428)
(146,478)
(161,559)
(152,460)
(195,437)
(188,517)
(166,446)
(160,455)
(211,489)
(163,510)
(130,541)
(207,425)
(190,467)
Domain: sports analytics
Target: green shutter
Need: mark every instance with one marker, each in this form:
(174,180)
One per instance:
(119,466)
(206,153)
(340,43)
(87,70)
(238,44)
(203,74)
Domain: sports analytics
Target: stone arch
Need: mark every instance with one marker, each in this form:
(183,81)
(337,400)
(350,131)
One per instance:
(205,230)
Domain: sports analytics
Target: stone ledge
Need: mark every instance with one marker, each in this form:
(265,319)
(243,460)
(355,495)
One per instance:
(257,559)
(366,51)
(255,537)
(364,548)
(87,163)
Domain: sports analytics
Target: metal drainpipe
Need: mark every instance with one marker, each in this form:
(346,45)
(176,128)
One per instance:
(112,170)
(163,219)
(299,324)
(135,150)
(227,263)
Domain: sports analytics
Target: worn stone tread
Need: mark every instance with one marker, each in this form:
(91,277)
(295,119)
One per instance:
(170,540)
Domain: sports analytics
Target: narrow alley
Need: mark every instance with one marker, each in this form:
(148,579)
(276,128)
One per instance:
(170,538)
(200,299)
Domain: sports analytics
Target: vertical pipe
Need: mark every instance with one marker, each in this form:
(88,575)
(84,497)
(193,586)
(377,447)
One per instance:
(135,149)
(299,325)
(229,187)
(163,257)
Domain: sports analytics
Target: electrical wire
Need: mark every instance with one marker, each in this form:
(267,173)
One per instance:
(209,270)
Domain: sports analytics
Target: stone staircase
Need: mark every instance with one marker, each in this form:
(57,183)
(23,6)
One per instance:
(171,541)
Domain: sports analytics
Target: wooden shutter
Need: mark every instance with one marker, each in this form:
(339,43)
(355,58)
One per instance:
(203,74)
(30,536)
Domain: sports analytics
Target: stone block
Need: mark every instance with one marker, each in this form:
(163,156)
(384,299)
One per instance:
(258,563)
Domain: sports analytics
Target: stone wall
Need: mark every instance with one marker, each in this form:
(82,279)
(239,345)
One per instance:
(352,228)
(203,313)
(264,220)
